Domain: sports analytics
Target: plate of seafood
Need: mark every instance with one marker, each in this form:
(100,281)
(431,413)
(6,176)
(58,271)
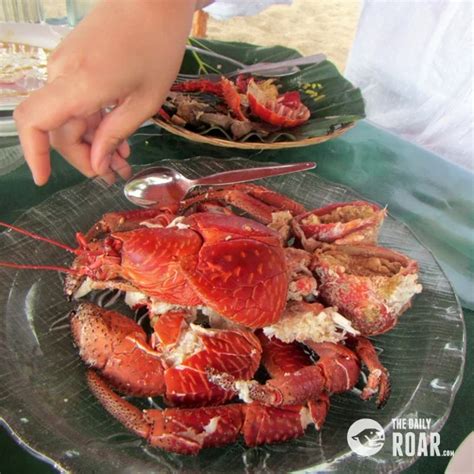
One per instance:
(246,329)
(219,107)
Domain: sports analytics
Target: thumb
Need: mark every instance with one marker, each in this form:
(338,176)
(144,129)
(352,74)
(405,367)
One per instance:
(115,127)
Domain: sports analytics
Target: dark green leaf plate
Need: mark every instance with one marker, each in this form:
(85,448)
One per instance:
(335,104)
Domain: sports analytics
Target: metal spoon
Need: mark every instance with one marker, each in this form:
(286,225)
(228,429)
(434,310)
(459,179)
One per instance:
(159,185)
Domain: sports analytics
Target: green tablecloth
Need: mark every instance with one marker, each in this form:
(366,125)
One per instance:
(435,198)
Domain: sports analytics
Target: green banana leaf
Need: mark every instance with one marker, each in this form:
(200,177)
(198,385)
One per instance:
(333,101)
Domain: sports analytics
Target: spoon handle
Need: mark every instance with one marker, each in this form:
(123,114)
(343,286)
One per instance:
(269,67)
(249,174)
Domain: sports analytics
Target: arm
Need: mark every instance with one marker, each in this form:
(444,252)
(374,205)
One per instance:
(123,54)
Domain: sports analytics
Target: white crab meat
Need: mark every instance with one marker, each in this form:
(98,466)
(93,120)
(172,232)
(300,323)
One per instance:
(403,293)
(300,324)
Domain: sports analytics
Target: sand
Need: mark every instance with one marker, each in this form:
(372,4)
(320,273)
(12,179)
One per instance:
(310,26)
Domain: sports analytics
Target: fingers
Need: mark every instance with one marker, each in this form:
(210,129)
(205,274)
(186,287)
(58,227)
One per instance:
(113,130)
(46,109)
(35,144)
(73,140)
(69,140)
(50,116)
(120,166)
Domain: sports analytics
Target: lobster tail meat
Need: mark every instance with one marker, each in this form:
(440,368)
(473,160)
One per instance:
(372,286)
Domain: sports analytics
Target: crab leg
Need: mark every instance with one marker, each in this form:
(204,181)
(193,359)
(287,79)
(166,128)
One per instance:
(257,201)
(336,371)
(237,198)
(128,220)
(280,358)
(379,377)
(184,431)
(187,431)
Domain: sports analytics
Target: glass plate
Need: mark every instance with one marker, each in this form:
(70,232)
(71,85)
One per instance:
(47,406)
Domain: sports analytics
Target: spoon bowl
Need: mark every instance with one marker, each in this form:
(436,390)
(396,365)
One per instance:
(157,185)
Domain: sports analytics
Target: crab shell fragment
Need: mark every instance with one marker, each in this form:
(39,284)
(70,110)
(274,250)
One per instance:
(344,223)
(371,286)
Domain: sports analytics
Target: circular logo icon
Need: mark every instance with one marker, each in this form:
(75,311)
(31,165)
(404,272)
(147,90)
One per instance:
(365,437)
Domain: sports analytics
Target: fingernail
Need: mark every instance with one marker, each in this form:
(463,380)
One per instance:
(124,149)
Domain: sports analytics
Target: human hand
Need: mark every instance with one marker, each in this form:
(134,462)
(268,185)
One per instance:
(123,55)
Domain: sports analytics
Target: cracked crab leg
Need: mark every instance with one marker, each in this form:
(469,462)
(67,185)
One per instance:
(184,431)
(379,377)
(257,201)
(336,371)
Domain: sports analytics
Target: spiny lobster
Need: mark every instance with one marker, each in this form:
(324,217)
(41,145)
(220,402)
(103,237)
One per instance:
(240,273)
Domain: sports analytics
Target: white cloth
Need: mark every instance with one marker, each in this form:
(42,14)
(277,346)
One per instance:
(413,61)
(223,9)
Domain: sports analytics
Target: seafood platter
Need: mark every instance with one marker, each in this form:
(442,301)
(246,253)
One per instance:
(245,326)
(250,324)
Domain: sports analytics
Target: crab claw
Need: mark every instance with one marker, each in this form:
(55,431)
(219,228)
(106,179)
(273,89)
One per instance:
(117,346)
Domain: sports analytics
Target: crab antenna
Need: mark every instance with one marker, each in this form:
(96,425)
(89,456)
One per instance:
(38,267)
(39,237)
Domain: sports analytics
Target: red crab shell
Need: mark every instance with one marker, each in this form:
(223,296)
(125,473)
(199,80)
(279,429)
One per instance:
(342,223)
(232,98)
(230,264)
(117,347)
(199,85)
(240,270)
(233,351)
(286,111)
(372,286)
